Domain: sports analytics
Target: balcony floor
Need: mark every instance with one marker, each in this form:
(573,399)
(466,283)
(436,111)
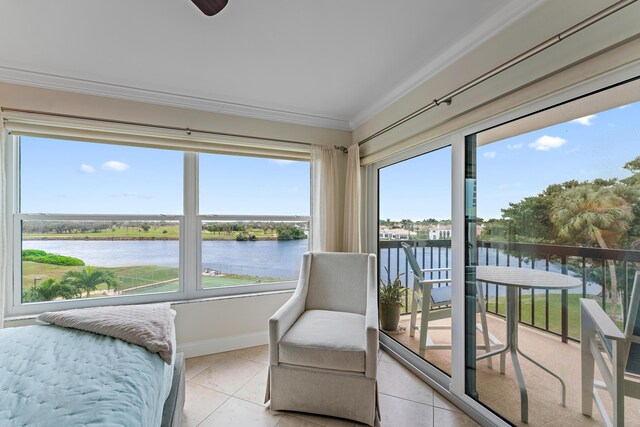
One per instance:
(501,393)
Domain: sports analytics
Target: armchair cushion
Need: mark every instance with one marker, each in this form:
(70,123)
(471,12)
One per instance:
(633,363)
(326,339)
(441,295)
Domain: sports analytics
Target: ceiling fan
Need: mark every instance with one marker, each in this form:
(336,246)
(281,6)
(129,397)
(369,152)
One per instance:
(210,7)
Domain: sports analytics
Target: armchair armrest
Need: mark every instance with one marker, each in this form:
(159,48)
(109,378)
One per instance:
(434,270)
(286,316)
(602,323)
(432,281)
(371,321)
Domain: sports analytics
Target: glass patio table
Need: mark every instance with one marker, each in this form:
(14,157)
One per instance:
(522,278)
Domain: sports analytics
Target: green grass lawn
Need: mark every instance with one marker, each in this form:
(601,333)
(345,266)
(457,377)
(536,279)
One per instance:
(113,233)
(135,277)
(555,311)
(170,232)
(33,271)
(208,282)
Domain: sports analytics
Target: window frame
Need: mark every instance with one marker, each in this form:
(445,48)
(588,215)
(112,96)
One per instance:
(190,243)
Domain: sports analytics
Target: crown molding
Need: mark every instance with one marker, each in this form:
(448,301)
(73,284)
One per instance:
(90,87)
(489,28)
(493,25)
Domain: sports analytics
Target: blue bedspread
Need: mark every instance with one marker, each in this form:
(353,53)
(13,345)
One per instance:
(52,376)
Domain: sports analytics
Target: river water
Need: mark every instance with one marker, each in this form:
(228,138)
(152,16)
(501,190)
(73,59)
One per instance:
(267,258)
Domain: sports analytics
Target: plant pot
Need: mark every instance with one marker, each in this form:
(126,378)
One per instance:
(389,316)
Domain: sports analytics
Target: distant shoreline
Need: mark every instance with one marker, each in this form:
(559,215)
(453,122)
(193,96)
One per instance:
(71,238)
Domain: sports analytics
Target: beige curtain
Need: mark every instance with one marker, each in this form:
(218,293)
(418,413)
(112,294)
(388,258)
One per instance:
(4,274)
(351,241)
(324,200)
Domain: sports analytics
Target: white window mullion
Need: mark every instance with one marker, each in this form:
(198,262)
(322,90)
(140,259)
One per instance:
(190,237)
(458,265)
(14,244)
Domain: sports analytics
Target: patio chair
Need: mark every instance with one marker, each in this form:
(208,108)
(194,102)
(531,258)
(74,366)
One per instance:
(618,359)
(323,343)
(435,303)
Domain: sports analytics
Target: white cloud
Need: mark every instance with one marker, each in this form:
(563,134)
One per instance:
(586,120)
(515,146)
(281,161)
(490,155)
(114,165)
(87,168)
(546,143)
(622,107)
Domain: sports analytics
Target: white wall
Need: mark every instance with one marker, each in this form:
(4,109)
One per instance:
(60,102)
(225,324)
(217,324)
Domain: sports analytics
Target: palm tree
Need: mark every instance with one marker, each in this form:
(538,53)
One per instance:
(49,290)
(599,214)
(89,278)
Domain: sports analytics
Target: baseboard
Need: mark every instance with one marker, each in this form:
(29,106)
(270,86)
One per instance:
(218,345)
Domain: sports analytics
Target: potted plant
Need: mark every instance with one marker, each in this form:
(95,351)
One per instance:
(390,299)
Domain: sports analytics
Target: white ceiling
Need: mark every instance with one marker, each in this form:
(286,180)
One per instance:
(331,63)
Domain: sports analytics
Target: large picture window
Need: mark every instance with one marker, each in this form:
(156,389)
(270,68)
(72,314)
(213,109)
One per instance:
(254,227)
(94,222)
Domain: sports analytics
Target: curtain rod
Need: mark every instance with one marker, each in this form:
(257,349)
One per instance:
(446,99)
(188,131)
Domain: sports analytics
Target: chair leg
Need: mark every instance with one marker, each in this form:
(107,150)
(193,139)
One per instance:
(483,321)
(617,394)
(414,311)
(424,320)
(587,331)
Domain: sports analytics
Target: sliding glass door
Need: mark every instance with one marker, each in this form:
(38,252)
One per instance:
(552,217)
(414,253)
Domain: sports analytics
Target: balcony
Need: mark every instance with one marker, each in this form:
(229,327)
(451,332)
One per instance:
(549,324)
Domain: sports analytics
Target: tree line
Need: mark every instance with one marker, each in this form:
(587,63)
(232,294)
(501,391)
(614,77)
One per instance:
(601,213)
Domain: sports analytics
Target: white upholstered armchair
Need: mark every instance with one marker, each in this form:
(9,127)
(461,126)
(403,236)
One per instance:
(323,343)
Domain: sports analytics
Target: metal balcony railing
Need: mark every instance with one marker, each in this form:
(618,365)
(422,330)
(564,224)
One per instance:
(550,311)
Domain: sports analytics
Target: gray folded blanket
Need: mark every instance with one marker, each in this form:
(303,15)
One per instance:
(149,326)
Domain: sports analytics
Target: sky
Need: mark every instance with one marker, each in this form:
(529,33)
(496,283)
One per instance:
(595,146)
(89,178)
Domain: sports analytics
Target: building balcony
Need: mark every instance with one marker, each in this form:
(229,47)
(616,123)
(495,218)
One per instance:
(548,327)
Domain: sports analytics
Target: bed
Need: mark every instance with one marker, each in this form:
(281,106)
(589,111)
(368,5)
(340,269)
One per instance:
(59,376)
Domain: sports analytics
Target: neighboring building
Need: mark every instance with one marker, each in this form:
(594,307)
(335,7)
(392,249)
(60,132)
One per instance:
(440,232)
(396,233)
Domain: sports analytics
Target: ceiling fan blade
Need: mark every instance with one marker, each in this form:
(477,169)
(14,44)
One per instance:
(210,7)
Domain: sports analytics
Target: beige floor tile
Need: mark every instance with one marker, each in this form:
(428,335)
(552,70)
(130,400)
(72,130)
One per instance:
(396,380)
(323,421)
(384,357)
(228,374)
(291,421)
(254,390)
(443,417)
(195,365)
(441,402)
(238,412)
(257,354)
(577,420)
(199,403)
(400,412)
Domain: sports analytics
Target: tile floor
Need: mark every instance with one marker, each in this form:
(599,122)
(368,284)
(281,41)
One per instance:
(227,389)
